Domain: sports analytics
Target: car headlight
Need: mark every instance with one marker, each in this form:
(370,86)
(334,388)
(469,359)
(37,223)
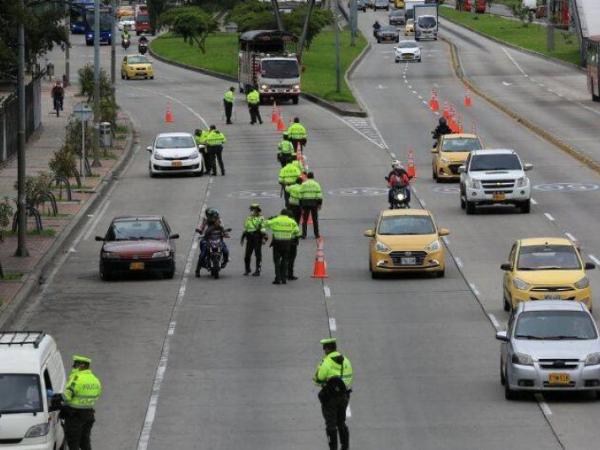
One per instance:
(522,359)
(445,160)
(157,156)
(110,255)
(195,155)
(593,359)
(381,247)
(264,87)
(38,430)
(434,246)
(417,52)
(583,283)
(522,182)
(296,87)
(162,254)
(520,284)
(475,184)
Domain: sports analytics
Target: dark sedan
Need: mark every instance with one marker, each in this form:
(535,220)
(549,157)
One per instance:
(387,33)
(397,17)
(137,244)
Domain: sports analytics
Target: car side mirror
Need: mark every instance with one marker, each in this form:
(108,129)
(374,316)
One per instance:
(174,236)
(506,266)
(590,266)
(369,233)
(462,169)
(527,166)
(100,238)
(149,148)
(443,231)
(502,336)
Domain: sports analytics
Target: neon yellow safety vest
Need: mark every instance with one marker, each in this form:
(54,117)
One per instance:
(215,138)
(330,366)
(253,98)
(203,135)
(286,148)
(83,391)
(311,190)
(294,191)
(284,228)
(254,223)
(229,97)
(289,173)
(297,131)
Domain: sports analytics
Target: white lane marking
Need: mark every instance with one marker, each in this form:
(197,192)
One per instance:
(458,261)
(421,98)
(415,92)
(381,86)
(382,144)
(541,85)
(543,405)
(327,291)
(494,321)
(513,61)
(596,260)
(570,236)
(406,81)
(534,202)
(409,86)
(549,217)
(176,100)
(332,324)
(393,155)
(96,220)
(423,203)
(446,240)
(425,103)
(506,84)
(474,289)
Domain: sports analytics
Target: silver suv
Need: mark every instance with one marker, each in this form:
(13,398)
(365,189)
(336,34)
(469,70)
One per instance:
(549,345)
(494,177)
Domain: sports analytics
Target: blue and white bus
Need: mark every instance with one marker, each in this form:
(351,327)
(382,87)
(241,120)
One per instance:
(106,17)
(77,9)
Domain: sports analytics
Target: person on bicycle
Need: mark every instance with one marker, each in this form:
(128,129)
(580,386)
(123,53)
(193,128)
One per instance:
(58,96)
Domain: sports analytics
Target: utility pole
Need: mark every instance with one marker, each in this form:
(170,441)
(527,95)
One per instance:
(277,15)
(311,5)
(338,69)
(353,22)
(113,48)
(96,162)
(550,26)
(21,198)
(67,79)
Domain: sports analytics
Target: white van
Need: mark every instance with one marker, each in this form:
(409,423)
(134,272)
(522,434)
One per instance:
(31,369)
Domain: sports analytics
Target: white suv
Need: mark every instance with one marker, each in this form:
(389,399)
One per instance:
(494,177)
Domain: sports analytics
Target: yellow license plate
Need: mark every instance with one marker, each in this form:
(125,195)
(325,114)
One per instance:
(136,266)
(176,163)
(559,378)
(499,196)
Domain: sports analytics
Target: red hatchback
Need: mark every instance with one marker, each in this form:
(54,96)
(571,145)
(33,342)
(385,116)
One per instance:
(135,244)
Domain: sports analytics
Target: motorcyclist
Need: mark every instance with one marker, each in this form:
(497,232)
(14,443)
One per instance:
(142,44)
(143,40)
(398,177)
(376,27)
(211,229)
(441,129)
(125,37)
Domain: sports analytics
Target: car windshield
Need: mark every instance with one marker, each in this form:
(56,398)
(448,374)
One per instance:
(548,257)
(461,145)
(174,142)
(506,161)
(410,22)
(20,393)
(397,13)
(402,225)
(128,230)
(137,60)
(427,22)
(555,325)
(280,68)
(388,28)
(407,44)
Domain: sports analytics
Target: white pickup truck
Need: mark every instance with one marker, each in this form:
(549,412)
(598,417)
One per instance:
(494,177)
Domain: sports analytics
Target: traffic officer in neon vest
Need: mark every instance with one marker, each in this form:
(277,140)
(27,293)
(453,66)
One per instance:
(285,230)
(200,139)
(293,191)
(293,250)
(287,176)
(297,134)
(311,200)
(81,394)
(286,151)
(334,375)
(255,235)
(214,149)
(253,99)
(228,99)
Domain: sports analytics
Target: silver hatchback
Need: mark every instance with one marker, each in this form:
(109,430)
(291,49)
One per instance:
(550,345)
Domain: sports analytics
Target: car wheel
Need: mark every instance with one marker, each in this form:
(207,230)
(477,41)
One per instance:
(105,273)
(171,272)
(502,377)
(419,60)
(396,61)
(441,273)
(509,394)
(525,206)
(506,305)
(150,172)
(462,203)
(470,207)
(152,77)
(295,100)
(379,41)
(375,275)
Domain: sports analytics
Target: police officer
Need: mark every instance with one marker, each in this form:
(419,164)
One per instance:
(254,234)
(81,394)
(285,230)
(311,200)
(288,175)
(253,99)
(286,151)
(214,144)
(334,375)
(293,191)
(200,139)
(293,250)
(297,133)
(228,99)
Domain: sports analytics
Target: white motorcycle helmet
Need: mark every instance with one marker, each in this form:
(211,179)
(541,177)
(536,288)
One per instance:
(396,164)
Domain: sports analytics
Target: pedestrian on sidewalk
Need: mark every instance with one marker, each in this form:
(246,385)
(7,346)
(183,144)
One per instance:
(58,97)
(228,99)
(214,144)
(253,99)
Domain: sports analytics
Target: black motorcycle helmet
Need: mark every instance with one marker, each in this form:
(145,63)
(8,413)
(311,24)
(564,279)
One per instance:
(442,121)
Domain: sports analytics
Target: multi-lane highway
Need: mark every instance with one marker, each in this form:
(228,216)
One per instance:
(220,364)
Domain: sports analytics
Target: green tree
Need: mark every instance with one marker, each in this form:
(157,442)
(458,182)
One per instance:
(191,23)
(155,9)
(320,18)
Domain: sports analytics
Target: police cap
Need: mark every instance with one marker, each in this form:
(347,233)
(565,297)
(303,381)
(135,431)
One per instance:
(81,359)
(328,341)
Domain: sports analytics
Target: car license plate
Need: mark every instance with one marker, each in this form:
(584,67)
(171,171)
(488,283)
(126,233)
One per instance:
(136,266)
(552,297)
(499,196)
(176,163)
(408,56)
(559,378)
(408,261)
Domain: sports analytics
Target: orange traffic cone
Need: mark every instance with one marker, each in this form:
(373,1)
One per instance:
(320,268)
(411,170)
(169,114)
(433,103)
(275,114)
(468,101)
(281,125)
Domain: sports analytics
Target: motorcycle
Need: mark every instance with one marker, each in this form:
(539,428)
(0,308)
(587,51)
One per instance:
(399,197)
(125,43)
(376,28)
(214,255)
(142,48)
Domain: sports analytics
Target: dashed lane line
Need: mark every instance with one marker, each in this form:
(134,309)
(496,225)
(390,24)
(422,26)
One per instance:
(549,217)
(594,259)
(570,236)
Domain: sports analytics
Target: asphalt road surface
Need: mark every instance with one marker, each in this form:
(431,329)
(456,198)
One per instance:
(221,364)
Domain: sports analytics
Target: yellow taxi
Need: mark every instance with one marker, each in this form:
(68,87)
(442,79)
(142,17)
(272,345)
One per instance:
(450,153)
(136,66)
(406,240)
(545,269)
(409,28)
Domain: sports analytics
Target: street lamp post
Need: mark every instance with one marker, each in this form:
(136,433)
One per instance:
(550,25)
(67,78)
(113,50)
(338,69)
(96,162)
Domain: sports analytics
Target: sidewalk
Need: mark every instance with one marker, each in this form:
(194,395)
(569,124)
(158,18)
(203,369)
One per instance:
(39,150)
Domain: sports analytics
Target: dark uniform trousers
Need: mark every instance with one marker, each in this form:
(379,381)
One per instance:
(310,207)
(228,109)
(254,113)
(78,427)
(292,258)
(285,158)
(254,242)
(296,212)
(295,143)
(334,413)
(215,153)
(281,257)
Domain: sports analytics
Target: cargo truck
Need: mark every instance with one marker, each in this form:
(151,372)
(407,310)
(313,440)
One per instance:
(588,18)
(409,7)
(426,22)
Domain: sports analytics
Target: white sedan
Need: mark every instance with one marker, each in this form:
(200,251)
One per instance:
(174,153)
(407,50)
(126,21)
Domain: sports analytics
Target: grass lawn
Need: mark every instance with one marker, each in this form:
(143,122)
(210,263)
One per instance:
(531,37)
(319,61)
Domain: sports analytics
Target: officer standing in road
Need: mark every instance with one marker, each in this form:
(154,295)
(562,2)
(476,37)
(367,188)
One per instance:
(81,394)
(214,144)
(285,230)
(287,152)
(297,133)
(255,235)
(293,251)
(311,200)
(334,375)
(253,99)
(288,175)
(228,99)
(293,190)
(200,139)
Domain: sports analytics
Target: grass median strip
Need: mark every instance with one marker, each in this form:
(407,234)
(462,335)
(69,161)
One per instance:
(319,61)
(531,37)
